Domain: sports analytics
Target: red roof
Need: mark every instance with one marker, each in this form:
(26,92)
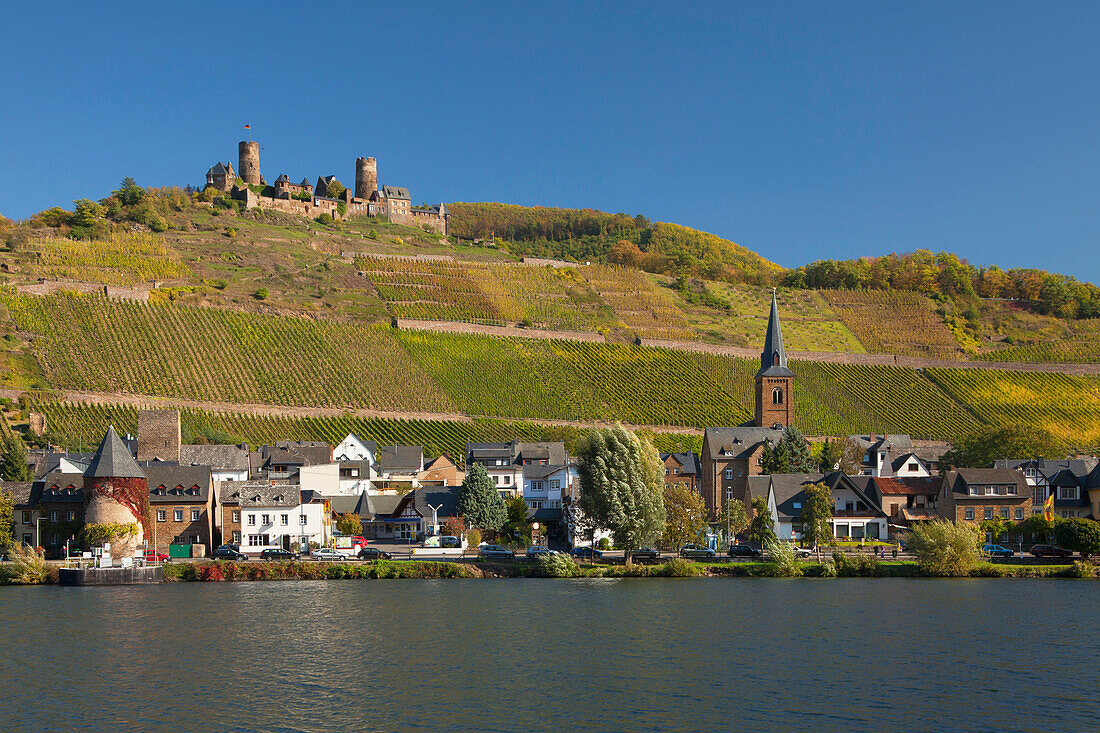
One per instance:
(905,486)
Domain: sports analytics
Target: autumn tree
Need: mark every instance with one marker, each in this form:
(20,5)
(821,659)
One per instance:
(621,486)
(732,518)
(685,515)
(349,524)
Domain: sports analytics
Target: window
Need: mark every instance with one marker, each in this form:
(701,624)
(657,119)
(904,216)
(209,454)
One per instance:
(1019,513)
(55,516)
(236,516)
(913,466)
(302,519)
(27,539)
(177,515)
(257,540)
(777,396)
(162,515)
(969,513)
(1067,492)
(26,517)
(975,490)
(989,491)
(507,479)
(729,473)
(265,519)
(236,537)
(536,486)
(666,470)
(1000,490)
(797,505)
(196,540)
(555,484)
(251,520)
(989,512)
(195,515)
(72,516)
(536,505)
(284,519)
(1004,512)
(1039,495)
(676,471)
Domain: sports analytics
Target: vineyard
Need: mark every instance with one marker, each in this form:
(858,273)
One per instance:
(93,344)
(79,426)
(118,259)
(1067,406)
(1082,347)
(894,322)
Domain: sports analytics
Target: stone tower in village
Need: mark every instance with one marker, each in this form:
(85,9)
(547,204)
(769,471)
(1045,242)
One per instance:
(366,178)
(248,163)
(116,491)
(774,381)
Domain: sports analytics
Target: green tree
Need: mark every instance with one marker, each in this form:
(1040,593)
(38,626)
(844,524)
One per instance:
(732,518)
(1079,535)
(790,455)
(840,454)
(13,466)
(761,528)
(1035,526)
(621,484)
(7,519)
(479,502)
(945,549)
(349,524)
(516,528)
(334,189)
(980,448)
(996,527)
(129,193)
(685,515)
(817,510)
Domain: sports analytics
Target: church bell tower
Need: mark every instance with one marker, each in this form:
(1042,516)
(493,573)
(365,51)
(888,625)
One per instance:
(774,381)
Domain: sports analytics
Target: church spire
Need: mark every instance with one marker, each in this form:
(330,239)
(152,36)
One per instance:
(773,360)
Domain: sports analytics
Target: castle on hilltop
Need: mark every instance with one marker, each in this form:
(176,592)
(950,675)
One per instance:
(248,186)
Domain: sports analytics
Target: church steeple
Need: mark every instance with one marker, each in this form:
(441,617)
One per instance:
(773,360)
(775,380)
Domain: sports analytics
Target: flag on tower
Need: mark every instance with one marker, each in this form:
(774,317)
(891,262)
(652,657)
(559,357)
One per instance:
(248,127)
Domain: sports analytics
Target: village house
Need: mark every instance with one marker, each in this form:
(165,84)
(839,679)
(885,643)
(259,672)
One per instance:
(891,455)
(24,514)
(683,469)
(284,460)
(441,471)
(905,501)
(182,502)
(855,515)
(281,516)
(1068,478)
(399,467)
(977,494)
(226,462)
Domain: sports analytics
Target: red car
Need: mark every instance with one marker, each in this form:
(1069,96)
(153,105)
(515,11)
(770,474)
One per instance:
(151,556)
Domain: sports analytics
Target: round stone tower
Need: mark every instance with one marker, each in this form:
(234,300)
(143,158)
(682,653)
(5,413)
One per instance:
(116,492)
(366,177)
(248,167)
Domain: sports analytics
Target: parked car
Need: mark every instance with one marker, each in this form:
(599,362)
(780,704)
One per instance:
(373,553)
(327,553)
(645,553)
(1049,551)
(696,552)
(150,556)
(586,552)
(744,550)
(802,551)
(226,552)
(495,552)
(449,541)
(997,551)
(537,551)
(278,553)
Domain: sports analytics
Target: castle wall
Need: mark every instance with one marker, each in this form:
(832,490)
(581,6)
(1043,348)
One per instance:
(158,435)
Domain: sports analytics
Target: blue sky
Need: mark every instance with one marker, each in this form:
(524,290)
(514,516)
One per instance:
(800,130)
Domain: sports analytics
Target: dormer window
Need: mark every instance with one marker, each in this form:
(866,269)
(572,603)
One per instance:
(775,359)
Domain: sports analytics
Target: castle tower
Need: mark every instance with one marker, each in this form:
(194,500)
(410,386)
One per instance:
(774,381)
(158,435)
(249,161)
(116,491)
(366,177)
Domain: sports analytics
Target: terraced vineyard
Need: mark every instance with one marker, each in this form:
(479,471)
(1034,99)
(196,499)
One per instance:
(429,289)
(79,426)
(99,345)
(90,343)
(645,309)
(1068,406)
(118,259)
(894,322)
(1083,347)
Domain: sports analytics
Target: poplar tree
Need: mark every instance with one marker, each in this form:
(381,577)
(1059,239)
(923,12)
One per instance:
(621,486)
(761,528)
(817,510)
(13,466)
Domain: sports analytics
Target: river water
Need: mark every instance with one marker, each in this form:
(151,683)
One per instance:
(554,655)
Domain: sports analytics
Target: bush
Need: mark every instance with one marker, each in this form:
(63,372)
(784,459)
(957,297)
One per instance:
(261,294)
(604,544)
(1082,569)
(231,232)
(826,569)
(678,567)
(858,566)
(1079,535)
(27,567)
(945,549)
(783,555)
(557,566)
(473,537)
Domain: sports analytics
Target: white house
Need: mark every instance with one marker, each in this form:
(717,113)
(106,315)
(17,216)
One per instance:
(855,514)
(544,487)
(273,517)
(353,449)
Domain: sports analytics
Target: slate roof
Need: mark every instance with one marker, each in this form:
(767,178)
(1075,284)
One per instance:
(741,441)
(396,192)
(1078,466)
(256,495)
(540,471)
(19,491)
(401,458)
(544,514)
(227,457)
(193,482)
(444,497)
(43,462)
(217,170)
(896,442)
(383,505)
(788,488)
(58,486)
(773,359)
(688,461)
(553,451)
(758,486)
(282,177)
(296,453)
(113,459)
(899,463)
(305,183)
(959,480)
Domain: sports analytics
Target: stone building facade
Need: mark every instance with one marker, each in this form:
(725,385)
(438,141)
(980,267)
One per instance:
(158,435)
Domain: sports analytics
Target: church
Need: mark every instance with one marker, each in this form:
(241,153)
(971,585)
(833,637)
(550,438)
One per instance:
(731,455)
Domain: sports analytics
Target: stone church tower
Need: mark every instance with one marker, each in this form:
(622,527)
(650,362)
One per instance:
(774,381)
